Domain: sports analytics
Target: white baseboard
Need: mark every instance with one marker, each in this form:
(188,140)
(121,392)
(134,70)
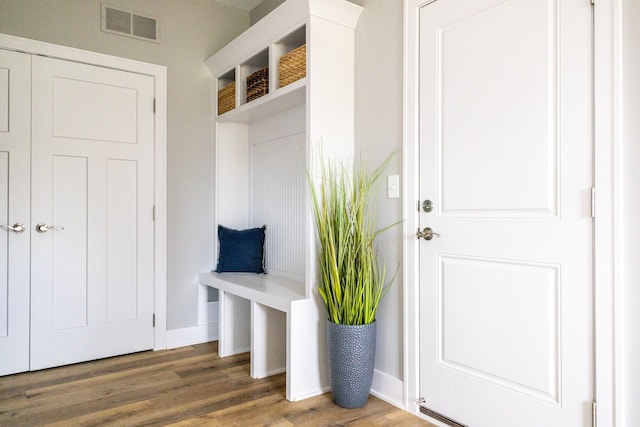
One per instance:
(270,373)
(313,394)
(388,388)
(192,335)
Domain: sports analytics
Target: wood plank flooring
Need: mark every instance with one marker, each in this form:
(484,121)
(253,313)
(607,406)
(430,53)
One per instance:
(181,387)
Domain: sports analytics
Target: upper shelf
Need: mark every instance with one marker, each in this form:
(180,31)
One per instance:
(264,71)
(281,100)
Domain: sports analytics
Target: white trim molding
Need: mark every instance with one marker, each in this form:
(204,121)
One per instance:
(608,208)
(193,335)
(388,388)
(411,197)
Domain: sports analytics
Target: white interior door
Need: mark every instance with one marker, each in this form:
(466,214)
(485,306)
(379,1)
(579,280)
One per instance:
(15,143)
(92,188)
(506,327)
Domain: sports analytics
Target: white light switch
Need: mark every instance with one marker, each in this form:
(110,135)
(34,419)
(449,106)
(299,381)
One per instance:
(393,186)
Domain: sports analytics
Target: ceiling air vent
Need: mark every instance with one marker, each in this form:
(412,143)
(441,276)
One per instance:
(131,24)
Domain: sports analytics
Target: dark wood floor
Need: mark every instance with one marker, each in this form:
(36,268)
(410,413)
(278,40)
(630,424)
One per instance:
(186,386)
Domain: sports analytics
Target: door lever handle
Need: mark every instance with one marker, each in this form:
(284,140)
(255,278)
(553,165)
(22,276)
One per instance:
(16,228)
(43,228)
(426,234)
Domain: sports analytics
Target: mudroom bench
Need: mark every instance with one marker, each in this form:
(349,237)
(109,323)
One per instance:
(277,333)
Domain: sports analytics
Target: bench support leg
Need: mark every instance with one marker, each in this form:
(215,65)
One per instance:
(307,373)
(234,328)
(268,341)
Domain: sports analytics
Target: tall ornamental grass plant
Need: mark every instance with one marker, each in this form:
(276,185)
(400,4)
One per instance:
(351,283)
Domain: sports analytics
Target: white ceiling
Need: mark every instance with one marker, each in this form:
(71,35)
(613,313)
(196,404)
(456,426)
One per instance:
(241,4)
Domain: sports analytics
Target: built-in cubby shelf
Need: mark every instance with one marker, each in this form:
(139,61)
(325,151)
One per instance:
(285,45)
(269,57)
(283,99)
(263,150)
(227,78)
(227,92)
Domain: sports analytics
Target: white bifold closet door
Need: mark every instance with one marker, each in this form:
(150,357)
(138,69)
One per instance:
(91,226)
(15,170)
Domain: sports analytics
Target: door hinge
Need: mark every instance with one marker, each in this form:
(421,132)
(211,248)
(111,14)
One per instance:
(154,320)
(594,414)
(593,202)
(154,213)
(418,205)
(593,2)
(154,105)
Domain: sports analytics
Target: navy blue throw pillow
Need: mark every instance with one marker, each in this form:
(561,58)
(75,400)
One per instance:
(241,251)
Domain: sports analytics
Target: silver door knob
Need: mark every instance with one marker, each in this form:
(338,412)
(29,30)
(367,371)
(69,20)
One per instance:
(16,228)
(426,234)
(43,228)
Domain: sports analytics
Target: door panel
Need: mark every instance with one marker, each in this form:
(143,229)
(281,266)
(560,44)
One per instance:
(15,137)
(122,229)
(70,278)
(78,115)
(491,54)
(505,152)
(4,98)
(483,344)
(92,289)
(4,243)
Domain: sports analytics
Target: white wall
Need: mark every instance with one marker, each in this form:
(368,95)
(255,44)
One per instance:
(631,214)
(191,31)
(263,9)
(379,36)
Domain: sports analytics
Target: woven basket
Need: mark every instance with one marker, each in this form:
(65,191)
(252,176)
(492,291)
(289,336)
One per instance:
(293,65)
(258,84)
(227,98)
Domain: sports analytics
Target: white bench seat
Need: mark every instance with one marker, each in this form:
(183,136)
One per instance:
(270,316)
(273,291)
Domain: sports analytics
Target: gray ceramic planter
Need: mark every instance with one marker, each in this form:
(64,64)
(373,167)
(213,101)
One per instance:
(352,350)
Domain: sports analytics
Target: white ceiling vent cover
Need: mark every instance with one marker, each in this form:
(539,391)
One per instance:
(127,23)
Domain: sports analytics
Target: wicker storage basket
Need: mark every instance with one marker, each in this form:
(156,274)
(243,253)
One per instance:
(227,98)
(258,84)
(293,65)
